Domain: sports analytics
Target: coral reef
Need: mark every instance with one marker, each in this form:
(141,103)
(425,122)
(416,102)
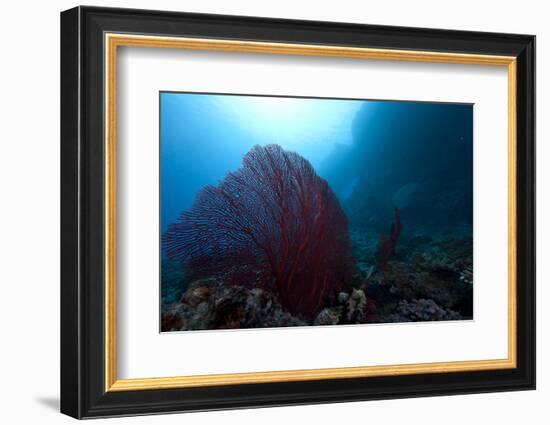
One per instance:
(211,304)
(355,307)
(272,244)
(423,269)
(329,316)
(467,275)
(422,282)
(425,280)
(421,310)
(274,220)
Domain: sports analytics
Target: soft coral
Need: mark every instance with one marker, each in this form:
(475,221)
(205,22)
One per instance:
(274,218)
(386,244)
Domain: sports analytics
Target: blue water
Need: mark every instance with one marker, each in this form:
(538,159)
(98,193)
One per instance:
(205,136)
(415,155)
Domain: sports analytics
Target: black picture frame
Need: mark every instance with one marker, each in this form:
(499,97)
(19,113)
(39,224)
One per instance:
(83,392)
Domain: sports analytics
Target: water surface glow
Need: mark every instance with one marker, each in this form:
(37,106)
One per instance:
(204,136)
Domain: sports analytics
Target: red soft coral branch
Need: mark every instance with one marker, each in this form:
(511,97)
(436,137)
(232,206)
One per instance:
(274,217)
(386,245)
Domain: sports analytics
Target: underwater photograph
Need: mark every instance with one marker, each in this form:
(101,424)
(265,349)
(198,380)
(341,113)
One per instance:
(292,211)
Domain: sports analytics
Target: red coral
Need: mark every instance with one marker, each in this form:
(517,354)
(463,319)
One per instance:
(386,244)
(274,218)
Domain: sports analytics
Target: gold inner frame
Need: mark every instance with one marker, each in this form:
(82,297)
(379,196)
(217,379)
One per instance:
(113,41)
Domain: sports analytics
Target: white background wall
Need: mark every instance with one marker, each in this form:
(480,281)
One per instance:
(29,215)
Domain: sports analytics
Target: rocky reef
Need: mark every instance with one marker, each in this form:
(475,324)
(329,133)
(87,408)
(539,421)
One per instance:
(426,280)
(210,304)
(421,310)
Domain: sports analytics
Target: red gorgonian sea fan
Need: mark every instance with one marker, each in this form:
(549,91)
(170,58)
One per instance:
(276,217)
(386,244)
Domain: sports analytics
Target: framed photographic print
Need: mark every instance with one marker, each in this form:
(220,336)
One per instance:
(261,212)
